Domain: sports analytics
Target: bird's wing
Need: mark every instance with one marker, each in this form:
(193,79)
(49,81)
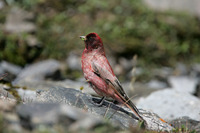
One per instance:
(106,73)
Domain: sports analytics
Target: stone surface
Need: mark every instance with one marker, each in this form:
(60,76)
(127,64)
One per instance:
(197,90)
(183,83)
(191,6)
(196,67)
(118,115)
(7,104)
(5,93)
(45,85)
(156,84)
(35,114)
(38,71)
(2,4)
(74,61)
(187,124)
(9,68)
(163,72)
(16,21)
(170,104)
(26,95)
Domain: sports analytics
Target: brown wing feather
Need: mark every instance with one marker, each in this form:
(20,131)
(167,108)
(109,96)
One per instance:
(108,77)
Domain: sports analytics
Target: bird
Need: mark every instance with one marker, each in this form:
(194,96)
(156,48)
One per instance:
(100,75)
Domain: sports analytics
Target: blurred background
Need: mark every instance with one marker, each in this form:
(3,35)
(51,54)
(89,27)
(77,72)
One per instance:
(159,33)
(152,45)
(139,36)
(144,40)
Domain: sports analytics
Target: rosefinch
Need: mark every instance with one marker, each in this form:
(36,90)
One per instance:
(99,74)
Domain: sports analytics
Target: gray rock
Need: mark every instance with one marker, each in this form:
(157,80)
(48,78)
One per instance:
(197,90)
(26,95)
(2,4)
(126,64)
(118,69)
(183,83)
(119,115)
(12,123)
(156,84)
(170,104)
(16,21)
(10,119)
(35,114)
(7,104)
(32,41)
(74,61)
(10,68)
(181,69)
(5,93)
(195,70)
(45,85)
(140,90)
(38,71)
(163,72)
(191,6)
(187,124)
(196,67)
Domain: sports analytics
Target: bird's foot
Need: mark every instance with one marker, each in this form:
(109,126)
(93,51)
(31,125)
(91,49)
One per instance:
(116,102)
(100,102)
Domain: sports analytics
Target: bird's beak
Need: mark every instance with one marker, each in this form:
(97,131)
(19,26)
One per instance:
(83,38)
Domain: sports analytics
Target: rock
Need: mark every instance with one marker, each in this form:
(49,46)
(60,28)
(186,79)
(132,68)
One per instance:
(196,70)
(35,114)
(119,115)
(126,64)
(77,85)
(45,85)
(163,72)
(183,83)
(74,61)
(37,71)
(156,84)
(118,69)
(7,104)
(181,69)
(26,95)
(11,70)
(17,21)
(191,6)
(8,119)
(12,123)
(197,90)
(196,67)
(4,93)
(171,104)
(186,124)
(32,41)
(2,4)
(139,90)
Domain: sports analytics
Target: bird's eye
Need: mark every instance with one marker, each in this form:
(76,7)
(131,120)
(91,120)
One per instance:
(90,39)
(96,46)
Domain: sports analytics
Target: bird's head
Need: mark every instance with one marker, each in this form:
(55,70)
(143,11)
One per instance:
(92,41)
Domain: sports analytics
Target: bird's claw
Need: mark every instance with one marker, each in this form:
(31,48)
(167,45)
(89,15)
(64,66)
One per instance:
(100,102)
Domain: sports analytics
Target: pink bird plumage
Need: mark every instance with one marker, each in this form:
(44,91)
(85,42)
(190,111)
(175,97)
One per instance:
(99,74)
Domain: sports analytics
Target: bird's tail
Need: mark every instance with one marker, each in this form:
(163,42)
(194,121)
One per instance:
(131,106)
(126,100)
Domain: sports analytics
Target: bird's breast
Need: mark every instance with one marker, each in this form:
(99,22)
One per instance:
(87,59)
(86,64)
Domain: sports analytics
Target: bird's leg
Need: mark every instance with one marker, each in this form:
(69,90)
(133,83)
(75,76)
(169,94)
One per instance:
(116,102)
(100,102)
